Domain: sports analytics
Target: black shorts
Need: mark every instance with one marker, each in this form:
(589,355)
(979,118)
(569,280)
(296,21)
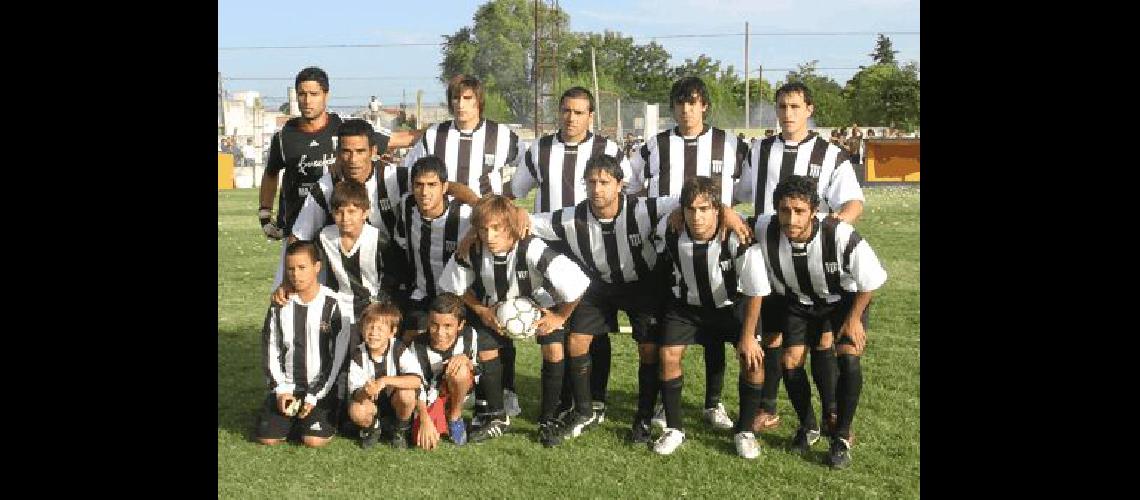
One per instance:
(685,324)
(490,340)
(272,424)
(596,314)
(773,313)
(415,316)
(807,324)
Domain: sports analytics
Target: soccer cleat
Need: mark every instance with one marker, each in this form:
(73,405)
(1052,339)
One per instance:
(576,423)
(458,431)
(658,419)
(511,403)
(765,421)
(401,436)
(599,412)
(496,425)
(803,440)
(669,441)
(746,445)
(564,413)
(718,417)
(839,456)
(640,431)
(369,437)
(550,433)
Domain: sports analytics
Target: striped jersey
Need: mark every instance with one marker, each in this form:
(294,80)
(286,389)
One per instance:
(711,273)
(668,159)
(530,269)
(618,250)
(423,360)
(774,160)
(835,259)
(358,273)
(557,168)
(430,243)
(304,345)
(384,192)
(363,366)
(474,158)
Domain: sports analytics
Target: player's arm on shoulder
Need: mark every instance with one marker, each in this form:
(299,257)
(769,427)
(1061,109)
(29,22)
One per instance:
(463,193)
(404,138)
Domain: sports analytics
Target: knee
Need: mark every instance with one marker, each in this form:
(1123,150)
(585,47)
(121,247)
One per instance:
(793,357)
(315,442)
(670,356)
(826,341)
(847,350)
(580,344)
(362,413)
(552,352)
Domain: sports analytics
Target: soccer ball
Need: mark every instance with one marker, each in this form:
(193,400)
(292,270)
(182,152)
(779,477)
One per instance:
(517,316)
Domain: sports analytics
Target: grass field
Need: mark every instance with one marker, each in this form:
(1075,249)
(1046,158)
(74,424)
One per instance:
(601,463)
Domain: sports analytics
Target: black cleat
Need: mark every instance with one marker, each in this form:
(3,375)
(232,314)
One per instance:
(640,431)
(369,437)
(550,433)
(803,440)
(839,456)
(577,423)
(493,427)
(401,436)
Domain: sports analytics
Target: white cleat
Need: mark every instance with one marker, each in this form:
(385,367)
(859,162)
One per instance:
(669,441)
(718,417)
(746,445)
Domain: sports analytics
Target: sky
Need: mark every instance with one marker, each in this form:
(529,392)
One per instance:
(785,33)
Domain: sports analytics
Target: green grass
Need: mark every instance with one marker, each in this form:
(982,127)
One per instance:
(600,463)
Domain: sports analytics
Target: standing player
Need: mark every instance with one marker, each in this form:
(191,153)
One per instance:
(304,343)
(672,157)
(796,151)
(429,227)
(828,272)
(717,290)
(304,148)
(445,362)
(556,164)
(505,265)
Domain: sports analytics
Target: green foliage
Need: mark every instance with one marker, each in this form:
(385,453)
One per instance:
(884,52)
(831,108)
(885,94)
(886,458)
(458,54)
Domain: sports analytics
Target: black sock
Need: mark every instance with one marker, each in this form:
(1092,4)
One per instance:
(552,373)
(749,404)
(671,396)
(507,354)
(579,371)
(566,398)
(773,372)
(849,387)
(648,385)
(825,372)
(600,354)
(799,392)
(492,384)
(714,373)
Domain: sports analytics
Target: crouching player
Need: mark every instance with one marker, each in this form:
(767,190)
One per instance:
(304,342)
(717,289)
(444,363)
(828,272)
(373,375)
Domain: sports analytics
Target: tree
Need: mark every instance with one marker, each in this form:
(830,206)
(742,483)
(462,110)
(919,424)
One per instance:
(458,54)
(885,94)
(831,107)
(884,53)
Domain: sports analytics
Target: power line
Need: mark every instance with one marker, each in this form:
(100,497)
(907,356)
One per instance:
(339,78)
(804,33)
(335,46)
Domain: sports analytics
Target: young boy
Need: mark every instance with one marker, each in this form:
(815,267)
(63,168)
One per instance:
(304,342)
(373,377)
(444,362)
(505,265)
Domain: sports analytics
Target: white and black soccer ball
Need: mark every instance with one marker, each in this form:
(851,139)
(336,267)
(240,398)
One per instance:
(518,316)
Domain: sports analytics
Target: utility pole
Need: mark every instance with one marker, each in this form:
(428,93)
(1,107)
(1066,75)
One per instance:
(746,96)
(419,108)
(594,68)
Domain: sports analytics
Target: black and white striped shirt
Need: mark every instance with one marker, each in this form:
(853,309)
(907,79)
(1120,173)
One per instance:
(549,278)
(774,160)
(711,273)
(358,273)
(304,345)
(430,243)
(421,354)
(363,367)
(474,158)
(668,159)
(619,250)
(384,194)
(833,260)
(545,164)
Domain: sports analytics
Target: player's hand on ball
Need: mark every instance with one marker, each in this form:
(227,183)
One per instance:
(305,410)
(283,403)
(265,216)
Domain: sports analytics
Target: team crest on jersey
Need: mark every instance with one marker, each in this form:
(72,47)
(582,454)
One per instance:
(489,160)
(385,204)
(717,166)
(813,170)
(635,240)
(334,139)
(725,265)
(831,267)
(521,274)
